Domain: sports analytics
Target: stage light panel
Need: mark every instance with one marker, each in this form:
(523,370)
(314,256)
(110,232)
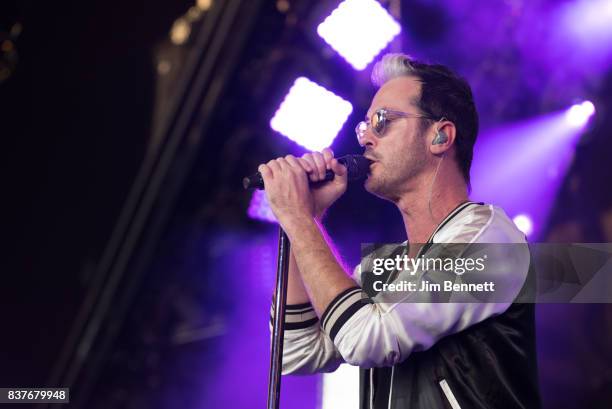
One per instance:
(359,30)
(310,115)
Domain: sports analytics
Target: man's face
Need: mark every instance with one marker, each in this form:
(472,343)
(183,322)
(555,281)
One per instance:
(401,153)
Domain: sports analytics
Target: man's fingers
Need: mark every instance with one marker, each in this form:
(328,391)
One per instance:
(309,166)
(282,164)
(287,167)
(296,163)
(328,155)
(321,167)
(264,170)
(312,166)
(315,164)
(274,166)
(266,173)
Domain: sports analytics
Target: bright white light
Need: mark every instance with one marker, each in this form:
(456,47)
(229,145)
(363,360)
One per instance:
(358,30)
(310,115)
(259,208)
(341,388)
(524,224)
(578,115)
(594,30)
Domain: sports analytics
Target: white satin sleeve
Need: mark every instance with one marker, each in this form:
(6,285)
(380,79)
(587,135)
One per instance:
(306,348)
(372,334)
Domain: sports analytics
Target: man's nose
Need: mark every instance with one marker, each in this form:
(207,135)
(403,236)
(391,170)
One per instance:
(368,138)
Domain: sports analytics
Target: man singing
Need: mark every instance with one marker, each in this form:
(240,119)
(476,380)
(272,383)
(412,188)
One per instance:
(419,133)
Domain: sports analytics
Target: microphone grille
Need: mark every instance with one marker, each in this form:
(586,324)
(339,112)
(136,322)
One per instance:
(357,166)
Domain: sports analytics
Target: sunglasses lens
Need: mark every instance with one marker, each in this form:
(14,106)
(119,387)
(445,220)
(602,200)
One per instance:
(378,122)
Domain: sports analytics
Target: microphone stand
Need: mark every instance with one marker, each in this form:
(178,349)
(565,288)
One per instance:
(278,321)
(357,168)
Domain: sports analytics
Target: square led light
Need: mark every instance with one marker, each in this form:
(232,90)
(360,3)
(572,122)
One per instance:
(359,30)
(259,208)
(310,115)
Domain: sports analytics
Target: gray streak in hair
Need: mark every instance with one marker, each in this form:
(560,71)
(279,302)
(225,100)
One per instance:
(392,65)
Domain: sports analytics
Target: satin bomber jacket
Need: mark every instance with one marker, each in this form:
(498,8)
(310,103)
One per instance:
(430,355)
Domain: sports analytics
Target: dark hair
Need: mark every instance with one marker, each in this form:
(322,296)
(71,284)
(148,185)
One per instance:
(444,94)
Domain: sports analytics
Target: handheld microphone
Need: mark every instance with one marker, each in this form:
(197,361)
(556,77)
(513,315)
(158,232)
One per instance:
(357,168)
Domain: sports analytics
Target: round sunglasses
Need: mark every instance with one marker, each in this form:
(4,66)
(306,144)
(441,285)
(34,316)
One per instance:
(379,120)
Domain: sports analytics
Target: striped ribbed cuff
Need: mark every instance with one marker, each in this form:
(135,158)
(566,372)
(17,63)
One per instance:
(297,316)
(343,307)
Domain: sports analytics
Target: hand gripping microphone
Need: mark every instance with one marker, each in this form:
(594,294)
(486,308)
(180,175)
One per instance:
(357,168)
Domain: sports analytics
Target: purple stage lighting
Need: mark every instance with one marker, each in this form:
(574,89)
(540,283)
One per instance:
(358,30)
(244,262)
(310,115)
(524,224)
(259,208)
(585,28)
(578,115)
(521,166)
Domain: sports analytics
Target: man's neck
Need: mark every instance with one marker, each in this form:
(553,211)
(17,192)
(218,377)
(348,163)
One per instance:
(421,215)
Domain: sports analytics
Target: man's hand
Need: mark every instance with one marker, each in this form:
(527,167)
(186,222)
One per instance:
(325,194)
(288,191)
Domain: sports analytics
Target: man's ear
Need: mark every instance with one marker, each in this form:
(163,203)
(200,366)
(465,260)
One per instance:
(443,137)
